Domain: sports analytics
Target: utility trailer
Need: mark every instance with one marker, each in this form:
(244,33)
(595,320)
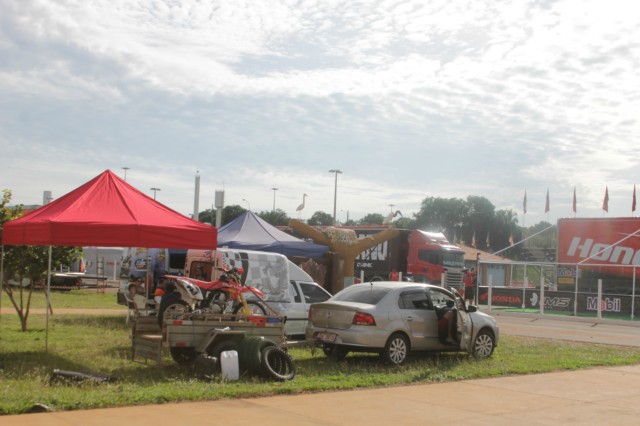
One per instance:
(259,340)
(201,334)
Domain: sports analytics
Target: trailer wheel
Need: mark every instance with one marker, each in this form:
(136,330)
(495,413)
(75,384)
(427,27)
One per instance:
(255,306)
(183,356)
(278,364)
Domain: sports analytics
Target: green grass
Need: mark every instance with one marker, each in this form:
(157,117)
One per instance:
(74,299)
(101,344)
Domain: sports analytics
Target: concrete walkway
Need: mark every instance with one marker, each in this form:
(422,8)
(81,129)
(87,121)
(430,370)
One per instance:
(599,396)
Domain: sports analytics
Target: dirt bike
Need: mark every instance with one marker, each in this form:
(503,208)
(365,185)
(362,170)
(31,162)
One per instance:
(226,295)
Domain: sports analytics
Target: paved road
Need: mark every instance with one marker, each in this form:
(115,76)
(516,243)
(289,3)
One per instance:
(589,330)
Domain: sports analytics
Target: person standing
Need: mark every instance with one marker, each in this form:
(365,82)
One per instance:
(469,280)
(393,275)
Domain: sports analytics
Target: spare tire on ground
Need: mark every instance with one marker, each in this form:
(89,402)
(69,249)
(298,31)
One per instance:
(277,364)
(76,376)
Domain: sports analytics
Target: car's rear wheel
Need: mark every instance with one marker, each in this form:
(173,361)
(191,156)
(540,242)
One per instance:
(334,351)
(396,350)
(484,345)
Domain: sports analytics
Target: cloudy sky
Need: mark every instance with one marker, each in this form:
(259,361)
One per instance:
(409,99)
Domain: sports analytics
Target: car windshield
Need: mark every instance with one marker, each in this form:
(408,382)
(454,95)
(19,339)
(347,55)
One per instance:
(363,293)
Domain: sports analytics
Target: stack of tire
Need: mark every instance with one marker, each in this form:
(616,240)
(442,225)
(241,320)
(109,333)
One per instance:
(262,357)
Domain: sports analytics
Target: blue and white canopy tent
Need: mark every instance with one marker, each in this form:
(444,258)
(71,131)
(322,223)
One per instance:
(249,232)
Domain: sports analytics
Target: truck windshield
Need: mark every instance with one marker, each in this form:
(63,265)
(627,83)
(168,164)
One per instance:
(453,260)
(449,259)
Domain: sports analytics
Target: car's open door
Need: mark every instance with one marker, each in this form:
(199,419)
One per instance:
(463,323)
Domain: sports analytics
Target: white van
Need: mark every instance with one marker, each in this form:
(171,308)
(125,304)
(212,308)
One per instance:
(288,289)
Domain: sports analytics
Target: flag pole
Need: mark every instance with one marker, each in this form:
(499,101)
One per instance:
(524,216)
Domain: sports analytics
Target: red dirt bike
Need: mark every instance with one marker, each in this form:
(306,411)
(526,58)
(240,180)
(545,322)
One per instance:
(226,295)
(229,293)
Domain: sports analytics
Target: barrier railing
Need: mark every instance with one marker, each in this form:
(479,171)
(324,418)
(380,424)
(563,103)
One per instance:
(553,288)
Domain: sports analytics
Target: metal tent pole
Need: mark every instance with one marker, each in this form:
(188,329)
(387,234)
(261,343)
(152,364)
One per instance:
(46,336)
(1,278)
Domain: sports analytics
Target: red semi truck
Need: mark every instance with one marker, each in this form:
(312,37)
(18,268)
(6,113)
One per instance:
(603,248)
(423,256)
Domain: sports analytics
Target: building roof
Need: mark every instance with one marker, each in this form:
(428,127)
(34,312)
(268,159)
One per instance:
(471,253)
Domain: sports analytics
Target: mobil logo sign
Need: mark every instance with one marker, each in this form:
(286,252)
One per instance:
(606,304)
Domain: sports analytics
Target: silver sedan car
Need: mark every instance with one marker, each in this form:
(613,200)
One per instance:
(394,318)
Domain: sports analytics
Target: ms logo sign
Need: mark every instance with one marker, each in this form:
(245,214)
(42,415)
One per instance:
(550,302)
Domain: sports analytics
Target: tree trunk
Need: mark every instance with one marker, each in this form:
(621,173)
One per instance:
(23,313)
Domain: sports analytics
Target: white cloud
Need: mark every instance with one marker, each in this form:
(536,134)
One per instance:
(448,98)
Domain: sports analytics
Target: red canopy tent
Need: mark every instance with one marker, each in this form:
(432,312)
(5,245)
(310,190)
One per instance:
(108,212)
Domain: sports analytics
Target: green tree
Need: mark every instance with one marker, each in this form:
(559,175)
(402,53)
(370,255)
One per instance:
(371,219)
(404,223)
(275,217)
(231,213)
(446,215)
(505,226)
(28,262)
(207,216)
(541,241)
(320,219)
(7,213)
(479,218)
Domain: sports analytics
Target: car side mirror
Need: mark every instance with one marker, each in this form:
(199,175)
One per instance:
(472,308)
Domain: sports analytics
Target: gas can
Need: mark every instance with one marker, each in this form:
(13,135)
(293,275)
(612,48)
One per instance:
(229,365)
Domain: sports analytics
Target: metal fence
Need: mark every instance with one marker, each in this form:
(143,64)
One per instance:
(555,288)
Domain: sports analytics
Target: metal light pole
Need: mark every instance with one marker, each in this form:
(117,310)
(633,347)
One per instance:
(248,204)
(274,198)
(125,168)
(335,193)
(347,221)
(154,192)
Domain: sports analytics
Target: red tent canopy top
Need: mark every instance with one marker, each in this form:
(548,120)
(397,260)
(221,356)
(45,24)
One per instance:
(108,212)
